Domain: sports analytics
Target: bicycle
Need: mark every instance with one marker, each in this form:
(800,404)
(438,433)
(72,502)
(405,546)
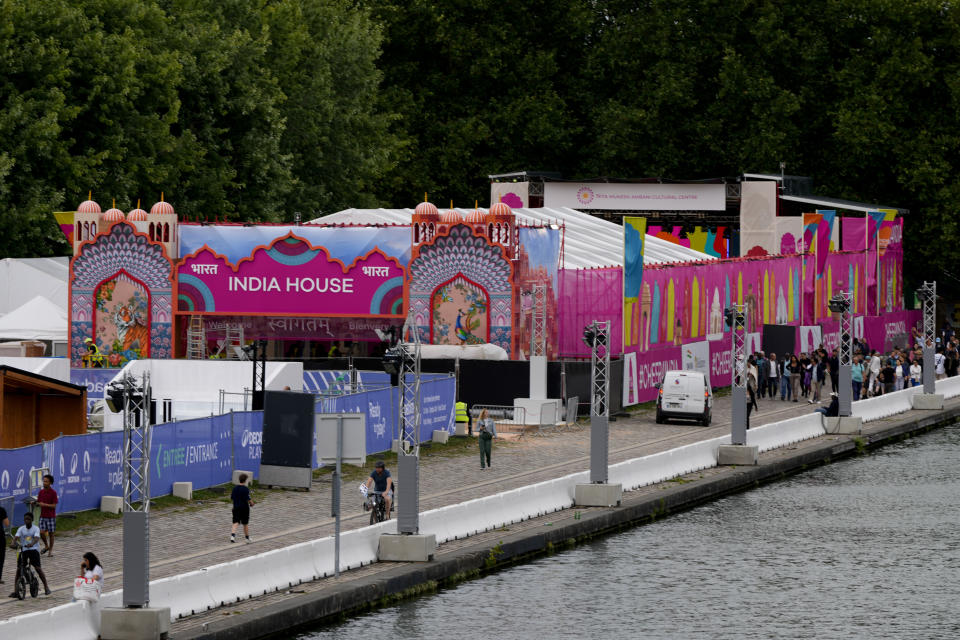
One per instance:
(27,579)
(377,506)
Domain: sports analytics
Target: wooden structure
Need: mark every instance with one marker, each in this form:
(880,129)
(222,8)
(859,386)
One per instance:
(35,408)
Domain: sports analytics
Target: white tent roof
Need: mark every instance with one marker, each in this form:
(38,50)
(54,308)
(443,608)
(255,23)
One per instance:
(23,278)
(588,242)
(38,319)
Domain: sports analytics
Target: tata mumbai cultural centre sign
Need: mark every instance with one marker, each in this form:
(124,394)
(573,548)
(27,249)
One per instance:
(635,196)
(290,277)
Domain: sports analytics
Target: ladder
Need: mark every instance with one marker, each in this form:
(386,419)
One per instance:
(234,338)
(196,339)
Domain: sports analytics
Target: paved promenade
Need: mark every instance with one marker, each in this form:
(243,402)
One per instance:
(196,536)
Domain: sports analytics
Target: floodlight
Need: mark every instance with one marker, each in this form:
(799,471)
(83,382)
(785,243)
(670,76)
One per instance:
(838,304)
(114,397)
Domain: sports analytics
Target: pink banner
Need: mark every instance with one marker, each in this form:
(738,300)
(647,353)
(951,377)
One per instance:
(588,295)
(290,277)
(854,238)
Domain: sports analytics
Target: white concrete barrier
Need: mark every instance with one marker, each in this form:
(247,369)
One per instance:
(185,594)
(72,621)
(227,582)
(779,434)
(889,404)
(321,553)
(949,387)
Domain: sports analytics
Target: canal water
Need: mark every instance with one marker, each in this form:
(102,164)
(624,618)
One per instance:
(863,548)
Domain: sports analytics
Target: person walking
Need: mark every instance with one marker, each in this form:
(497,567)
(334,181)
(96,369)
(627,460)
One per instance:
(47,500)
(772,375)
(856,376)
(462,418)
(818,377)
(487,431)
(240,496)
(898,375)
(783,368)
(763,374)
(873,381)
(796,370)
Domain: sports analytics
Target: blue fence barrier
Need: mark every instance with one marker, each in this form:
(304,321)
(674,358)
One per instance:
(203,451)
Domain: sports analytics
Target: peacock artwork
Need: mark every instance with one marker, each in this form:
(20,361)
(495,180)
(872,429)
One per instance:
(460,313)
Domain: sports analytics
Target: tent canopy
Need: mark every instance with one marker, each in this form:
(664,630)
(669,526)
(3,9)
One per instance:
(23,278)
(588,241)
(38,319)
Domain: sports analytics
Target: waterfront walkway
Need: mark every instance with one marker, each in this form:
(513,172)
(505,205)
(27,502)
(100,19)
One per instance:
(195,536)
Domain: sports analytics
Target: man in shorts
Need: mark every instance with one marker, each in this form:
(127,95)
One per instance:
(47,501)
(241,508)
(28,537)
(381,481)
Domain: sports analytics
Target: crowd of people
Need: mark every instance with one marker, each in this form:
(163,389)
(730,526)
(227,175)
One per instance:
(805,376)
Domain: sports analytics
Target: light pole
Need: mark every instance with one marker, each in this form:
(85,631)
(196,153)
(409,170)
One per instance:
(840,305)
(928,299)
(737,452)
(599,493)
(929,399)
(133,399)
(403,361)
(734,317)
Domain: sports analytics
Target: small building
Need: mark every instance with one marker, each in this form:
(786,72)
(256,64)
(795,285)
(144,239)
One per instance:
(35,408)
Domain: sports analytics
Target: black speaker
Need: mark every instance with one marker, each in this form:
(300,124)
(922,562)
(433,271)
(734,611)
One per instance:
(257,400)
(287,429)
(779,339)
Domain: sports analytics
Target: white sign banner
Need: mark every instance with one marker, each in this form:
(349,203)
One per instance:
(514,194)
(635,197)
(810,338)
(696,357)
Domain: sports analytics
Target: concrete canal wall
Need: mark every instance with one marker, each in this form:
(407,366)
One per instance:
(196,592)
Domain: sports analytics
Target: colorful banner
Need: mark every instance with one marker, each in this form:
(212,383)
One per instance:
(65,221)
(290,277)
(634,233)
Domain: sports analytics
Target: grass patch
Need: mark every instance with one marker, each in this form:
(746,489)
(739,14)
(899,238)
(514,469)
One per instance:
(83,520)
(455,447)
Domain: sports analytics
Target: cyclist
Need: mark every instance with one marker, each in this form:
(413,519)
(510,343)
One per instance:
(381,481)
(28,537)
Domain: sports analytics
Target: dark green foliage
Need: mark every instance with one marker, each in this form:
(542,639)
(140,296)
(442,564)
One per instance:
(257,109)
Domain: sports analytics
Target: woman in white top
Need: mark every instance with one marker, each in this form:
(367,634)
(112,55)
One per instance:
(916,373)
(90,566)
(898,375)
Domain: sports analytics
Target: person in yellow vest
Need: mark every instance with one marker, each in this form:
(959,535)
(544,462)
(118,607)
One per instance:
(93,357)
(461,415)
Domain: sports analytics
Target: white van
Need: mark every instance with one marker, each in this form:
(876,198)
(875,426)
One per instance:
(684,394)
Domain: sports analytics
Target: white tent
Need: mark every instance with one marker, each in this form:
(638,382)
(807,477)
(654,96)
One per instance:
(588,242)
(38,319)
(23,278)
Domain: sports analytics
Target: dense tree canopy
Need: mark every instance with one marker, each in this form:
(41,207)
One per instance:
(257,109)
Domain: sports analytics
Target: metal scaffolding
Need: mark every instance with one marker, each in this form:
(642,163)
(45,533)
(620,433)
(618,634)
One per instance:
(735,319)
(196,339)
(538,321)
(408,455)
(597,337)
(136,490)
(928,298)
